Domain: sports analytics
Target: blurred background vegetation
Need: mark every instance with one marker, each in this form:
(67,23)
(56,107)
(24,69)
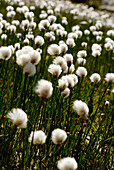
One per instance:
(93,3)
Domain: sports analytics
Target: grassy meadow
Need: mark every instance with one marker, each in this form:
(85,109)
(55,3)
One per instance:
(56,86)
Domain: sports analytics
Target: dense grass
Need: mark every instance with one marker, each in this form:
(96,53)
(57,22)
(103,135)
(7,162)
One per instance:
(88,141)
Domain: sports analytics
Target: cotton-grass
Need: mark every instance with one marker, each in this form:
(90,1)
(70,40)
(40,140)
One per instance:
(81,109)
(65,93)
(44,89)
(95,77)
(53,49)
(38,137)
(34,57)
(58,136)
(39,40)
(55,70)
(29,69)
(68,163)
(19,117)
(81,72)
(5,53)
(69,59)
(109,77)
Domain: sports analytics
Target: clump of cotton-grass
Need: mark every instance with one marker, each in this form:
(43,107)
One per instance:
(67,163)
(43,25)
(73,35)
(81,109)
(107,103)
(17,46)
(96,47)
(5,53)
(70,42)
(110,33)
(63,48)
(81,61)
(51,19)
(69,59)
(86,32)
(39,41)
(34,57)
(53,49)
(58,136)
(109,77)
(96,53)
(22,59)
(25,25)
(65,93)
(70,79)
(92,28)
(29,69)
(81,72)
(108,46)
(95,77)
(62,84)
(3,37)
(19,117)
(60,61)
(38,137)
(44,89)
(82,53)
(26,41)
(84,45)
(55,70)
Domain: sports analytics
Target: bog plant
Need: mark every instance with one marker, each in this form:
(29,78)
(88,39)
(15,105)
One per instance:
(56,86)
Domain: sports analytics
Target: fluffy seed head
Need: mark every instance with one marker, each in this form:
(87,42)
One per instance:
(67,164)
(109,77)
(44,89)
(81,108)
(95,77)
(38,137)
(5,53)
(81,72)
(65,93)
(29,69)
(19,117)
(55,70)
(53,49)
(58,136)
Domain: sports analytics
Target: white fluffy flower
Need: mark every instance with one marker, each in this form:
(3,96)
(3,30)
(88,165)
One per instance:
(53,49)
(96,53)
(69,59)
(81,61)
(95,77)
(55,70)
(69,79)
(29,69)
(107,103)
(81,108)
(44,88)
(109,77)
(60,61)
(81,72)
(58,136)
(38,137)
(96,47)
(62,84)
(5,53)
(39,41)
(82,54)
(65,93)
(70,42)
(19,117)
(22,59)
(34,56)
(67,164)
(108,46)
(63,48)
